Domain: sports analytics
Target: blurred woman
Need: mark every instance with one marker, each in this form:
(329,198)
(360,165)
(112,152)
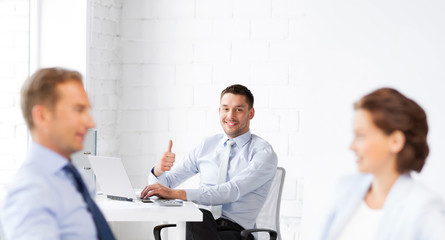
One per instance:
(383,201)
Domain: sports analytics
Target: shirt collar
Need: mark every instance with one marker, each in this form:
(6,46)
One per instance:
(398,190)
(45,158)
(240,141)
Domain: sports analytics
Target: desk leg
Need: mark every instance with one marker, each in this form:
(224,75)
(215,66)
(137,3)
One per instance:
(180,226)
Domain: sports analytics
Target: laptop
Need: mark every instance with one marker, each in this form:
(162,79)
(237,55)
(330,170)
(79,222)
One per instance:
(115,184)
(112,178)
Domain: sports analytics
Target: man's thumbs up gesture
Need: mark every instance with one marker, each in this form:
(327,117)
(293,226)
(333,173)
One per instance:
(166,161)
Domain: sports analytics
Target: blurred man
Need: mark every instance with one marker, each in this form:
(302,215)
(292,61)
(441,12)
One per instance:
(236,170)
(48,199)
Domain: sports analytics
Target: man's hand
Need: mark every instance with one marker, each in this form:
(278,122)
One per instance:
(162,191)
(166,162)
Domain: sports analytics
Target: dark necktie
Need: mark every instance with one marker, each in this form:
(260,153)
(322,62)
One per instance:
(103,230)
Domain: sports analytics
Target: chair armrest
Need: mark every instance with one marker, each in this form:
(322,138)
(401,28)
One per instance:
(157,230)
(247,232)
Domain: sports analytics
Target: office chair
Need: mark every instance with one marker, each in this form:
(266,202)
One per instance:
(268,219)
(2,234)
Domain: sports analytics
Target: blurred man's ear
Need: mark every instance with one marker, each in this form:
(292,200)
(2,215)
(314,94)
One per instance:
(40,115)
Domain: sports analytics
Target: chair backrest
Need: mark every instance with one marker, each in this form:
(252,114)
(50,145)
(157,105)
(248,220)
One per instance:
(269,216)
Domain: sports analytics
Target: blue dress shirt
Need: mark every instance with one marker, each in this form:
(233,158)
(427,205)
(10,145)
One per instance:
(43,203)
(250,172)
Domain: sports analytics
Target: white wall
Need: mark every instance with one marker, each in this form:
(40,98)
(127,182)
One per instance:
(62,39)
(13,71)
(158,68)
(349,49)
(56,39)
(33,34)
(104,71)
(177,58)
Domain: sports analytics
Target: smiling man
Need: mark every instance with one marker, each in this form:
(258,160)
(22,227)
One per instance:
(236,170)
(48,198)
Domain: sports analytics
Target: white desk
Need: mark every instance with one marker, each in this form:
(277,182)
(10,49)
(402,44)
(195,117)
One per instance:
(122,211)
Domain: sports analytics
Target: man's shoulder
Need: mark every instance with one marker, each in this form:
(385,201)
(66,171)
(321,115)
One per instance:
(208,144)
(31,191)
(29,181)
(258,141)
(214,137)
(30,196)
(29,171)
(212,140)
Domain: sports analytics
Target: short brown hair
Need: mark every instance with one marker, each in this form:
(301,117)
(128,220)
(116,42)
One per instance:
(239,89)
(392,111)
(41,88)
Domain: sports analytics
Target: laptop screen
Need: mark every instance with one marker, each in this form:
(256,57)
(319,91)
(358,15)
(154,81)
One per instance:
(112,177)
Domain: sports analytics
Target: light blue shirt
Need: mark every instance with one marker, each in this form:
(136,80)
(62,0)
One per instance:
(43,203)
(411,211)
(250,172)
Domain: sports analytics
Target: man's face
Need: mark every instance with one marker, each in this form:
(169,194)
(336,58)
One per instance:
(66,125)
(235,114)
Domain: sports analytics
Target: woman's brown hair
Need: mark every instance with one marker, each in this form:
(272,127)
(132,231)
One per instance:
(392,111)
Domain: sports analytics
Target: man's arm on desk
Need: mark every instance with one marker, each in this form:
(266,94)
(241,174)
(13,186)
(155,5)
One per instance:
(162,191)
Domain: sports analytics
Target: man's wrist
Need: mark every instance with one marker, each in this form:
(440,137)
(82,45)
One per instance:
(156,173)
(180,194)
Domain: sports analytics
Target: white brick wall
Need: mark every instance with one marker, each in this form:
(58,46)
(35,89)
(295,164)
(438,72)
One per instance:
(177,60)
(157,68)
(104,72)
(13,72)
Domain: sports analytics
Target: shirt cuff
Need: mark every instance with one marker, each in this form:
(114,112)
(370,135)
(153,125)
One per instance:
(153,179)
(192,194)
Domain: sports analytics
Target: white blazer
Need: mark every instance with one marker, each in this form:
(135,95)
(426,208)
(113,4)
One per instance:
(411,211)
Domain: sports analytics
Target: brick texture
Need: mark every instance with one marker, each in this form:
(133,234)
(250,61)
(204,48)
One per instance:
(157,68)
(13,72)
(176,63)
